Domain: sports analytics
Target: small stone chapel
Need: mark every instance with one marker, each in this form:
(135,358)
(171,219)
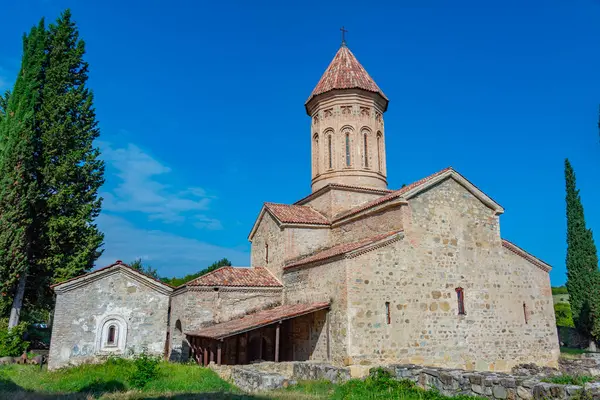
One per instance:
(352,274)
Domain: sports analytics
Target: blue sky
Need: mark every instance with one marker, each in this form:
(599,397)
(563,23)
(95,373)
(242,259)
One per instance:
(201,109)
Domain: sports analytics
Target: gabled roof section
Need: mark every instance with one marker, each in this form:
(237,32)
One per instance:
(291,214)
(528,256)
(237,276)
(92,276)
(417,187)
(341,250)
(257,320)
(345,72)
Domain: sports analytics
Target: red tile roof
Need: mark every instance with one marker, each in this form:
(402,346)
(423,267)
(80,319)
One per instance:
(345,72)
(99,270)
(237,276)
(339,250)
(528,256)
(394,195)
(257,320)
(296,214)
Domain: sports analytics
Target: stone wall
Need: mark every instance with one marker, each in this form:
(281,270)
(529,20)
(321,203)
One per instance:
(337,200)
(451,240)
(197,307)
(81,314)
(526,383)
(325,282)
(268,232)
(387,220)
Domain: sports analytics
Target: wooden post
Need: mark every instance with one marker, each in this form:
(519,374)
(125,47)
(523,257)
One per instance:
(246,353)
(219,345)
(260,346)
(277,341)
(237,349)
(328,336)
(205,355)
(212,352)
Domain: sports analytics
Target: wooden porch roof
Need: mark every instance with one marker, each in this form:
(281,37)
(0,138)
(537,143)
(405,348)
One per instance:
(257,320)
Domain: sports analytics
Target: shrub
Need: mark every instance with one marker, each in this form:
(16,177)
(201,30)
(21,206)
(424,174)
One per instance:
(560,290)
(579,380)
(11,340)
(145,370)
(564,317)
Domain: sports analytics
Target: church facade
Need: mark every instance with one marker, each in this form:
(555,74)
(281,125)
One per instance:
(354,273)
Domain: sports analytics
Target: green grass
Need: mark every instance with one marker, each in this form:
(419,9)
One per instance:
(568,350)
(177,381)
(110,377)
(579,380)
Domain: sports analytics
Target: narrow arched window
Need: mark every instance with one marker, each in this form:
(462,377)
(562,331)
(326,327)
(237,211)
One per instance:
(366,148)
(330,152)
(347,149)
(379,152)
(525,312)
(111,338)
(267,253)
(316,153)
(460,295)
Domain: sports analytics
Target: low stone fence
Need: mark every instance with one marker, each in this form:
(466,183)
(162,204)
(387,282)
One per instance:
(524,383)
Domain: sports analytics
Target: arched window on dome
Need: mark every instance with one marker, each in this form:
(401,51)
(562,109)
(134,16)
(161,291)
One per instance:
(316,153)
(348,161)
(379,152)
(365,135)
(329,146)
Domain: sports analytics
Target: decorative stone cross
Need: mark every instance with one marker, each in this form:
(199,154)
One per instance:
(343,35)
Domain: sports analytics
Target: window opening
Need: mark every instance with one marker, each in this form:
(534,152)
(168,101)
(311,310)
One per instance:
(366,150)
(525,312)
(316,154)
(460,294)
(330,152)
(347,149)
(387,313)
(379,161)
(112,335)
(267,253)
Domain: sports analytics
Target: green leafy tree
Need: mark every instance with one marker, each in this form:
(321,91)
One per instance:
(583,278)
(180,281)
(144,269)
(19,186)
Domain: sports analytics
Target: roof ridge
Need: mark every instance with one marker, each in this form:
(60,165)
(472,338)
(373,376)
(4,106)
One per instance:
(538,262)
(116,263)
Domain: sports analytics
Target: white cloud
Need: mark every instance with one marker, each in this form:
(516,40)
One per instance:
(141,189)
(170,254)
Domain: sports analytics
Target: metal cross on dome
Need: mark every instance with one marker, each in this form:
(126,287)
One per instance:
(344,31)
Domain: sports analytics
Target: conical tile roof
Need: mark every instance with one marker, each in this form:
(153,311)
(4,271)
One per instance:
(345,72)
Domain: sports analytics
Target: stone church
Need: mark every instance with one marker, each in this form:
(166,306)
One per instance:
(352,274)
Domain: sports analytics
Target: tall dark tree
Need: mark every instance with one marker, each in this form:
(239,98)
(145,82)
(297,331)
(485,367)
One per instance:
(19,188)
(70,166)
(583,278)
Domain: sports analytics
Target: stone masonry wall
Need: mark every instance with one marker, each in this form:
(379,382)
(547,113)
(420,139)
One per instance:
(336,201)
(322,283)
(268,232)
(196,307)
(374,224)
(79,312)
(451,240)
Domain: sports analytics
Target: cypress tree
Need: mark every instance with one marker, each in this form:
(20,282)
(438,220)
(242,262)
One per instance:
(19,189)
(583,278)
(71,169)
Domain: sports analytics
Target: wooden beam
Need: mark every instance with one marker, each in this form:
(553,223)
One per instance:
(277,326)
(219,347)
